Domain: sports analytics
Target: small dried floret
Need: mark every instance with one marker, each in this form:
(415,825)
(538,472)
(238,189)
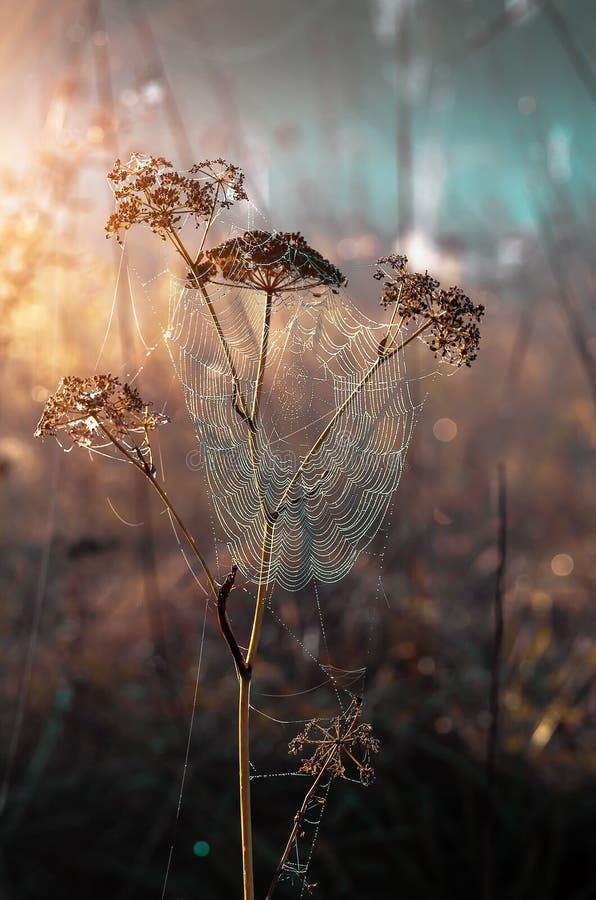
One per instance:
(367,775)
(398,263)
(451,318)
(345,740)
(83,407)
(148,190)
(224,175)
(274,262)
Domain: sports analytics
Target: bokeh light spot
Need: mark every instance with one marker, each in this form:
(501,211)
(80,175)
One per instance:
(201,849)
(426,665)
(153,93)
(562,564)
(444,430)
(39,393)
(541,601)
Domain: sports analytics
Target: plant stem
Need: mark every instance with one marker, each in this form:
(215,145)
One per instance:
(169,506)
(243,666)
(264,574)
(255,406)
(244,783)
(209,224)
(262,357)
(186,534)
(244,711)
(223,342)
(245,674)
(298,822)
(192,264)
(495,685)
(493,737)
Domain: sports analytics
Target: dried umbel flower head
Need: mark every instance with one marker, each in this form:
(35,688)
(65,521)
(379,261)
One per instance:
(223,175)
(88,410)
(346,740)
(274,262)
(451,330)
(148,190)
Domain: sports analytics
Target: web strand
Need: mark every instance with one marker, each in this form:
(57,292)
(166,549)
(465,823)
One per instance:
(320,351)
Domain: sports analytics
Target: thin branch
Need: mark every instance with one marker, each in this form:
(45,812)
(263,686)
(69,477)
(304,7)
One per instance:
(493,737)
(262,357)
(252,421)
(244,713)
(149,472)
(237,397)
(224,623)
(264,575)
(208,225)
(495,686)
(298,819)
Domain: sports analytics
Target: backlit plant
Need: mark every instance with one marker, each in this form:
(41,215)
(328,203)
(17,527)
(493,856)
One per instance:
(295,516)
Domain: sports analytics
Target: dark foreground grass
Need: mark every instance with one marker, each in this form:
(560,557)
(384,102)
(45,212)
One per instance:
(91,816)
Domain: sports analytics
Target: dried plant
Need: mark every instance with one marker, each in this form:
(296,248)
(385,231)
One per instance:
(336,744)
(446,320)
(149,191)
(345,740)
(88,410)
(273,262)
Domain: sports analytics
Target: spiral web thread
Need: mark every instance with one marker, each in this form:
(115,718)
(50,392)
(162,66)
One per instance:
(321,348)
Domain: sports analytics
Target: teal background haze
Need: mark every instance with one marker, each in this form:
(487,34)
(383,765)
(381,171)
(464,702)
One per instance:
(313,98)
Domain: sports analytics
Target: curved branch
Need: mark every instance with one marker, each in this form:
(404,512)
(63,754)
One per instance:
(226,628)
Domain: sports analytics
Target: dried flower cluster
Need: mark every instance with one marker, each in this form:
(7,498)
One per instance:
(83,407)
(148,190)
(274,262)
(346,739)
(452,333)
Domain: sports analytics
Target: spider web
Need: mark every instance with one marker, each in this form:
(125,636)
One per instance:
(321,353)
(334,693)
(321,350)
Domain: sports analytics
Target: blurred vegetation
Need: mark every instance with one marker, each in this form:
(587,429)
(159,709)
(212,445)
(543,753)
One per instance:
(102,623)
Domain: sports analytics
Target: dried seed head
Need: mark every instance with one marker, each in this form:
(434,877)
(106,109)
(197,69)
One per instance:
(274,262)
(224,175)
(452,319)
(149,191)
(344,741)
(82,407)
